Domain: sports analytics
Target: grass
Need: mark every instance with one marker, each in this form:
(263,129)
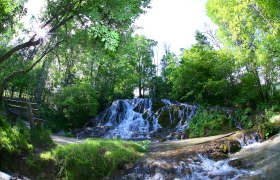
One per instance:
(95,159)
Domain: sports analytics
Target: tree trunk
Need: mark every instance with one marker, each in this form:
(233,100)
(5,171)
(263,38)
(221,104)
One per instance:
(140,88)
(12,91)
(42,82)
(20,91)
(260,90)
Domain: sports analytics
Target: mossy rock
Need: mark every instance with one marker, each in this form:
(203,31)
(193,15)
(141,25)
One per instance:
(145,114)
(241,164)
(157,104)
(234,146)
(231,146)
(224,148)
(164,119)
(217,156)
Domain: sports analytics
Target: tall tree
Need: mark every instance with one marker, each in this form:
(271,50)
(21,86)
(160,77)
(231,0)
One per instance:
(143,59)
(245,27)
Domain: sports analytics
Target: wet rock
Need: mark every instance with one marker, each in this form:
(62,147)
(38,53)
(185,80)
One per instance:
(128,166)
(234,146)
(89,132)
(174,136)
(246,137)
(240,164)
(217,156)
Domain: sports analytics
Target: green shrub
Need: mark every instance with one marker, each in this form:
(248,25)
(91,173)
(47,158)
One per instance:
(266,130)
(206,123)
(16,151)
(73,106)
(264,124)
(96,159)
(13,139)
(41,138)
(14,146)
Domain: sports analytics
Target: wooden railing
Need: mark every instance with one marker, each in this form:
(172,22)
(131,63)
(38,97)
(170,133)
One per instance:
(23,108)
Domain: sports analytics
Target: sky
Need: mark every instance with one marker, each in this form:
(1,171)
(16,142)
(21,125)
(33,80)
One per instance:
(174,22)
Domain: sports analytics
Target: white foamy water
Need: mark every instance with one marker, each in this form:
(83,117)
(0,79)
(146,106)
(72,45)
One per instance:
(206,168)
(137,118)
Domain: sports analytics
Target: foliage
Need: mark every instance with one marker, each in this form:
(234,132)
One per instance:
(203,75)
(266,129)
(96,159)
(14,145)
(75,105)
(207,123)
(244,117)
(13,139)
(41,138)
(89,25)
(246,27)
(10,12)
(264,125)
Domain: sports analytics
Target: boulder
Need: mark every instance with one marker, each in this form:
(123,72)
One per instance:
(234,146)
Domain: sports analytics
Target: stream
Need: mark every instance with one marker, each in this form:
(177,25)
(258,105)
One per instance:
(185,159)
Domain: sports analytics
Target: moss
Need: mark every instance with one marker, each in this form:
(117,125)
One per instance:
(224,148)
(145,115)
(164,119)
(267,129)
(157,104)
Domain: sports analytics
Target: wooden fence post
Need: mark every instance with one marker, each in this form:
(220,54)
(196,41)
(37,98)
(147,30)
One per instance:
(30,115)
(10,116)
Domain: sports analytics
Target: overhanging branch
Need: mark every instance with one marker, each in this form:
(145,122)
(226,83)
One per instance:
(22,72)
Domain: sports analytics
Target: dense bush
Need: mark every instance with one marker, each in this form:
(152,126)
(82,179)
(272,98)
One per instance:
(41,138)
(13,139)
(245,117)
(264,125)
(14,146)
(206,123)
(96,159)
(73,106)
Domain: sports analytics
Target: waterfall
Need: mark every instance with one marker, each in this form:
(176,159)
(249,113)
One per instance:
(139,117)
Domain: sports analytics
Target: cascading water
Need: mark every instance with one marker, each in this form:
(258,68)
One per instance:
(138,118)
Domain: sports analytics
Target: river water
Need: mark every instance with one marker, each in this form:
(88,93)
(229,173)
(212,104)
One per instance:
(182,160)
(263,158)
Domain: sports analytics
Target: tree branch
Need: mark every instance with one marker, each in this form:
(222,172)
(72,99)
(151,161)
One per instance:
(19,47)
(31,42)
(22,72)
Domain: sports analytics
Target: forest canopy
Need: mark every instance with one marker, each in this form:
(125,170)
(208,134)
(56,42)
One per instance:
(85,54)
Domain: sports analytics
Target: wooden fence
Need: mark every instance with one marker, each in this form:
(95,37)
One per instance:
(23,108)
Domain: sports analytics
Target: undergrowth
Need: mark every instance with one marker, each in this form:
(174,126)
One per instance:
(95,159)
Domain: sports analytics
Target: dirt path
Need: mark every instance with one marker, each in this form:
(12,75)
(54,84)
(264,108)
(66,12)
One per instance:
(66,140)
(154,147)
